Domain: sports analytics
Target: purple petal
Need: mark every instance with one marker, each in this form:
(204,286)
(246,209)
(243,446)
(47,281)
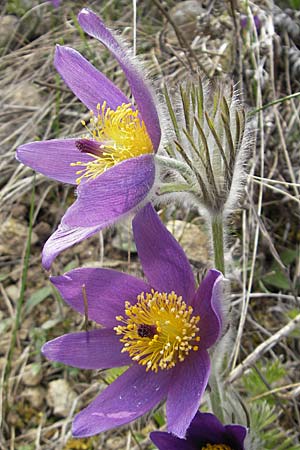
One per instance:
(163,260)
(94,26)
(53,158)
(63,238)
(207,304)
(236,436)
(96,349)
(114,193)
(205,428)
(130,396)
(166,441)
(187,386)
(87,83)
(106,291)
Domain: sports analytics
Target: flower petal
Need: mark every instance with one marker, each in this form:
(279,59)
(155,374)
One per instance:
(94,26)
(236,436)
(112,194)
(87,83)
(164,262)
(187,386)
(206,428)
(63,238)
(55,3)
(130,396)
(207,304)
(95,349)
(166,441)
(53,158)
(106,291)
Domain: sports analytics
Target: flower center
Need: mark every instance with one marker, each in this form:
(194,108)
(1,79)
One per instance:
(159,330)
(113,136)
(216,447)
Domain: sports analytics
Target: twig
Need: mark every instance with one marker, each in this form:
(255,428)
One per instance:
(275,102)
(247,290)
(51,86)
(263,348)
(181,38)
(276,390)
(22,291)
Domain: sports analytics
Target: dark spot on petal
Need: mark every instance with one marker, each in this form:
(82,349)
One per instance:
(89,146)
(146,330)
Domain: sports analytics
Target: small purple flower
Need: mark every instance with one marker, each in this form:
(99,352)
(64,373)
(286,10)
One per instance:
(245,21)
(55,3)
(113,165)
(205,433)
(160,328)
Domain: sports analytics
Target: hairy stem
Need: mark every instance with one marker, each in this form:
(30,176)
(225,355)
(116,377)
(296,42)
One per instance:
(218,242)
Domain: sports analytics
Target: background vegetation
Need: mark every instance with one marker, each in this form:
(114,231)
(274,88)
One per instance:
(258,45)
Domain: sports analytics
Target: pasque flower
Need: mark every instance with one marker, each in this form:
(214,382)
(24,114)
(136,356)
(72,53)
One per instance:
(55,3)
(205,433)
(113,165)
(160,328)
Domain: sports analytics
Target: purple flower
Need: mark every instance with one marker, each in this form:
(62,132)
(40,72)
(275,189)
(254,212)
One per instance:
(55,3)
(113,165)
(204,433)
(245,20)
(160,328)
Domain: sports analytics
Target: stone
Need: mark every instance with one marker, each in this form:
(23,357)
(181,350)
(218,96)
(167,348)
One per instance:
(60,397)
(8,25)
(3,360)
(185,16)
(13,235)
(123,238)
(13,292)
(192,239)
(18,211)
(32,375)
(43,231)
(35,396)
(115,443)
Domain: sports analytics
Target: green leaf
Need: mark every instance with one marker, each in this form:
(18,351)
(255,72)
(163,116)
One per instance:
(112,374)
(159,418)
(37,297)
(36,368)
(272,372)
(70,266)
(295,4)
(292,314)
(288,256)
(277,279)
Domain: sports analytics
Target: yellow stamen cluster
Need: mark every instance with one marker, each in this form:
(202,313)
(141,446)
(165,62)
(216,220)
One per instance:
(216,447)
(121,135)
(159,330)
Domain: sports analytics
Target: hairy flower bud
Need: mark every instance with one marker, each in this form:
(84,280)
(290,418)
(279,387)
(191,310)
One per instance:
(212,139)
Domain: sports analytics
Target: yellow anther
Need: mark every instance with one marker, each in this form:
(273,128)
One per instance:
(154,334)
(216,447)
(121,135)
